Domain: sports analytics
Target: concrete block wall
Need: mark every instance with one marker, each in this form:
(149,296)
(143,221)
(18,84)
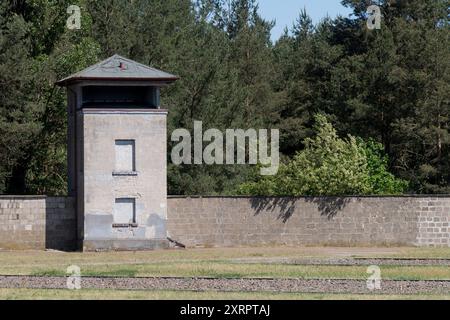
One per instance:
(37,223)
(50,223)
(61,224)
(434,222)
(242,221)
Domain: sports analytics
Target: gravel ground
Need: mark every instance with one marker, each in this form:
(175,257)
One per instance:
(249,285)
(349,261)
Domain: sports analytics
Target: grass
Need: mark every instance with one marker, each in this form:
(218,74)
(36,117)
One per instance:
(86,294)
(222,263)
(218,263)
(27,261)
(233,270)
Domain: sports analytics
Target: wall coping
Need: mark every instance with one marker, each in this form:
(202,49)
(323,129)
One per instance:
(311,197)
(23,197)
(31,197)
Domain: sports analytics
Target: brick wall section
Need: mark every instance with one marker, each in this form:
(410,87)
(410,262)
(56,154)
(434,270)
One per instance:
(37,223)
(240,221)
(434,222)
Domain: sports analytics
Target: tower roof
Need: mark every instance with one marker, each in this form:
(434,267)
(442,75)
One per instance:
(118,68)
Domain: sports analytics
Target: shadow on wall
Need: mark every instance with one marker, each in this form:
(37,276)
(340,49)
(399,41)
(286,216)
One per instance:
(285,205)
(327,206)
(60,224)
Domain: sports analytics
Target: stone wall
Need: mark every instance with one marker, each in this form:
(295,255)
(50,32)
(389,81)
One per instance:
(37,223)
(50,223)
(241,221)
(434,222)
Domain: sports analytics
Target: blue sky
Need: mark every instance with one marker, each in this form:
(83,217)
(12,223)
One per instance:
(285,12)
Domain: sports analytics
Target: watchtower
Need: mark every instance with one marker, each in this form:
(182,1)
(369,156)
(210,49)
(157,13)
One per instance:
(117,154)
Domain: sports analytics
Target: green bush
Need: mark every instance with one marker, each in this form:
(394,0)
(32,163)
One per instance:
(330,165)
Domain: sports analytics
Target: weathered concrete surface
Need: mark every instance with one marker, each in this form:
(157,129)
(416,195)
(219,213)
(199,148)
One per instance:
(349,221)
(125,245)
(101,186)
(37,223)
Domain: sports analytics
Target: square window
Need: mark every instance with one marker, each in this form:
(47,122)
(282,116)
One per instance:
(125,211)
(125,156)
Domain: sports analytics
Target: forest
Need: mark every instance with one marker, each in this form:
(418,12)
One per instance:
(359,111)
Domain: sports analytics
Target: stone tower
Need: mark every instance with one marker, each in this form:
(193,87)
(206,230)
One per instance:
(117,155)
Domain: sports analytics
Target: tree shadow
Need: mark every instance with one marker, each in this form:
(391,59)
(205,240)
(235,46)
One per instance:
(327,206)
(286,205)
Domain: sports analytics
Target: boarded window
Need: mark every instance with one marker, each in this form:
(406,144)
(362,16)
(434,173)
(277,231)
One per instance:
(125,156)
(125,211)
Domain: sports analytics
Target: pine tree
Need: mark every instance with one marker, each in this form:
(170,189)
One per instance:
(19,114)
